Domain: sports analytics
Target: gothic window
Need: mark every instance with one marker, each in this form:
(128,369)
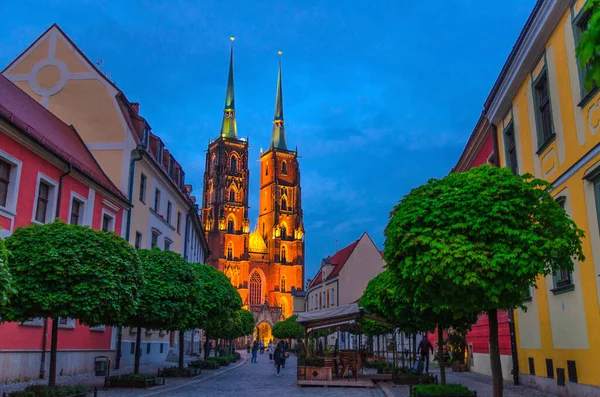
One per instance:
(267,170)
(283,307)
(283,254)
(255,289)
(283,232)
(230,251)
(284,168)
(233,163)
(282,283)
(284,204)
(230,226)
(232,195)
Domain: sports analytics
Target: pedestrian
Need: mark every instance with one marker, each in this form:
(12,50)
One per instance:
(279,356)
(286,347)
(425,347)
(271,350)
(262,347)
(254,351)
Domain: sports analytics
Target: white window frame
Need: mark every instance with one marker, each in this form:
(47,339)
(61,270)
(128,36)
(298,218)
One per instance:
(169,215)
(13,186)
(53,196)
(112,215)
(155,202)
(82,209)
(69,325)
(34,322)
(135,241)
(98,328)
(166,241)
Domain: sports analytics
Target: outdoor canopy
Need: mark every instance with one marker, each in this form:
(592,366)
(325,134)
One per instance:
(334,316)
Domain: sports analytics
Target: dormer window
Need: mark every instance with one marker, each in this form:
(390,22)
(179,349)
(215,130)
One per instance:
(145,135)
(159,152)
(171,167)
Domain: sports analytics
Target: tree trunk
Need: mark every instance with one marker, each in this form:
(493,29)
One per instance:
(138,350)
(181,350)
(441,354)
(495,364)
(414,348)
(53,347)
(119,347)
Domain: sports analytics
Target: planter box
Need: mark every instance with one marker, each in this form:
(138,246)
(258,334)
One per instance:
(137,384)
(314,373)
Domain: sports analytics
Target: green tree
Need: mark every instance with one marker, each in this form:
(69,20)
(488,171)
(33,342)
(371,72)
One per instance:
(5,279)
(288,329)
(166,296)
(477,241)
(240,323)
(588,48)
(62,270)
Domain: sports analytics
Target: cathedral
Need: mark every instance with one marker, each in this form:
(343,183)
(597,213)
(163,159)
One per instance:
(266,264)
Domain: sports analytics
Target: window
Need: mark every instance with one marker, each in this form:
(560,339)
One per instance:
(233,164)
(510,145)
(232,196)
(159,152)
(178,222)
(156,200)
(108,222)
(169,211)
(320,301)
(168,244)
(284,168)
(33,322)
(283,254)
(132,349)
(162,347)
(563,279)
(171,167)
(138,240)
(148,347)
(230,226)
(255,289)
(145,135)
(143,181)
(267,170)
(328,301)
(154,242)
(332,298)
(230,251)
(580,25)
(65,322)
(543,111)
(284,204)
(282,283)
(5,168)
(76,212)
(283,232)
(324,298)
(41,212)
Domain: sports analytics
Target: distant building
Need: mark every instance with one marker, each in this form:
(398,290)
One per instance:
(46,172)
(57,74)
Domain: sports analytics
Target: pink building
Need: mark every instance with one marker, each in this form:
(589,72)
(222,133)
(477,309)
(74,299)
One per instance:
(47,172)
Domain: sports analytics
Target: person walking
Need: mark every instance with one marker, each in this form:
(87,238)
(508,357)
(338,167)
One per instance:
(286,347)
(271,350)
(279,356)
(262,347)
(425,347)
(254,351)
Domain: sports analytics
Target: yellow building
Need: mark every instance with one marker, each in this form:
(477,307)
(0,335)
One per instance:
(547,125)
(56,73)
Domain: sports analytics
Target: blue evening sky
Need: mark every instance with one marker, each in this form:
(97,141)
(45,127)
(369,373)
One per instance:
(379,96)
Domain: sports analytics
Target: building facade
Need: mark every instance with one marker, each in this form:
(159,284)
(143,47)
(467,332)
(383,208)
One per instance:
(57,74)
(46,172)
(546,123)
(480,150)
(267,265)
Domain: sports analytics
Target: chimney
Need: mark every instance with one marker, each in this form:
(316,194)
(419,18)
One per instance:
(136,107)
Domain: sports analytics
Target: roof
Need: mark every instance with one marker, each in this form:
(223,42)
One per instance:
(49,131)
(338,260)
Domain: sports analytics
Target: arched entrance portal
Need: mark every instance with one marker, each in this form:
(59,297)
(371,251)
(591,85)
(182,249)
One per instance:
(263,332)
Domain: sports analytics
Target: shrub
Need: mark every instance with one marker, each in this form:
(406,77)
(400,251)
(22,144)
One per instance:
(439,390)
(138,377)
(47,391)
(312,362)
(223,361)
(203,364)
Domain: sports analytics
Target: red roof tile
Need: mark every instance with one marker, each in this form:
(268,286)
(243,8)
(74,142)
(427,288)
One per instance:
(338,260)
(39,123)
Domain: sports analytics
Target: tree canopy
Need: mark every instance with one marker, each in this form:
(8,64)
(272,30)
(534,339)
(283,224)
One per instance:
(288,329)
(5,278)
(62,270)
(588,47)
(240,323)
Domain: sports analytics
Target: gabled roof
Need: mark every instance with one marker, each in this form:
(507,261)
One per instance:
(338,260)
(49,131)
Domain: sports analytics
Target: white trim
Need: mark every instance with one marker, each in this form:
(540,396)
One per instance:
(12,196)
(111,215)
(35,322)
(89,213)
(98,328)
(110,205)
(82,211)
(69,325)
(53,195)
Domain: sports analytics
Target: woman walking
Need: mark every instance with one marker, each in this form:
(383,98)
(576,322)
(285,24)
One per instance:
(279,357)
(271,349)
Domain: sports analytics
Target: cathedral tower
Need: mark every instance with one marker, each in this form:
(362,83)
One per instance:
(225,197)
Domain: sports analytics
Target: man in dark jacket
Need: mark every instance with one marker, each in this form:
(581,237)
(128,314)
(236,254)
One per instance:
(279,355)
(425,347)
(254,351)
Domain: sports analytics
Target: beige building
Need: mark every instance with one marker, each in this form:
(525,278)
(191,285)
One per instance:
(55,72)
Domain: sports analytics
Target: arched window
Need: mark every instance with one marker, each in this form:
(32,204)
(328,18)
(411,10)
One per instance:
(283,232)
(284,168)
(283,308)
(255,289)
(282,283)
(283,254)
(267,169)
(230,251)
(230,226)
(284,204)
(233,163)
(232,195)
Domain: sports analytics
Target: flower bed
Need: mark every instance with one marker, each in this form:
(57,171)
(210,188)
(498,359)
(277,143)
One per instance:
(136,381)
(450,390)
(57,391)
(179,372)
(203,364)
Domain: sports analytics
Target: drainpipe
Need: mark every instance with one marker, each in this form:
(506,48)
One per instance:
(134,159)
(45,331)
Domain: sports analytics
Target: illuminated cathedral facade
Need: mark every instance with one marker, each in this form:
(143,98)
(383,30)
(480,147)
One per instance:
(266,264)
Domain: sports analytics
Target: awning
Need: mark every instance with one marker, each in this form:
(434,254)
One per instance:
(330,317)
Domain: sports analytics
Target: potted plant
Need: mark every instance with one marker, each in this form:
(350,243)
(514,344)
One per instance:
(313,368)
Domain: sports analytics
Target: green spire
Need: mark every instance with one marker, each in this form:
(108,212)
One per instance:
(278,137)
(229,128)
